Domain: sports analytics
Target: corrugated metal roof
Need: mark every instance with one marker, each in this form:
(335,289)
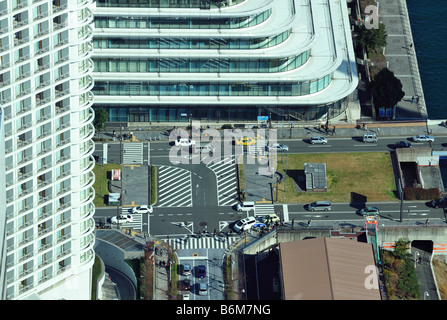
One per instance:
(326,269)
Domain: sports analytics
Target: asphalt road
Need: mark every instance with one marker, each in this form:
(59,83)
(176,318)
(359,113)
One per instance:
(203,212)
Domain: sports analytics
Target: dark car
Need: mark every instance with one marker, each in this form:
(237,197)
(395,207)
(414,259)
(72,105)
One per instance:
(186,284)
(402,144)
(439,203)
(201,271)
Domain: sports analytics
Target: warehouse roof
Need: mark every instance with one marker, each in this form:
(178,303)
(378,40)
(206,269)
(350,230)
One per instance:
(327,269)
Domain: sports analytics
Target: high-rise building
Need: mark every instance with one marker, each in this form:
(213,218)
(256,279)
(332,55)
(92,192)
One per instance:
(45,83)
(224,60)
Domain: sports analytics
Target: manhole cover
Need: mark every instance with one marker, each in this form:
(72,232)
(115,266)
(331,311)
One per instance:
(203,223)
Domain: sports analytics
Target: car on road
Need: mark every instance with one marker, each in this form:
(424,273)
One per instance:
(203,288)
(370,211)
(318,140)
(423,138)
(439,203)
(186,269)
(184,142)
(142,209)
(278,147)
(244,224)
(186,285)
(245,141)
(245,206)
(201,271)
(270,218)
(124,218)
(402,144)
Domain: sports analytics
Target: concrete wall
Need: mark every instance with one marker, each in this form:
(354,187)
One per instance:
(387,237)
(114,257)
(438,234)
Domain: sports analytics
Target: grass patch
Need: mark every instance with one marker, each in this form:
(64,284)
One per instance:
(366,174)
(153,185)
(99,200)
(440,269)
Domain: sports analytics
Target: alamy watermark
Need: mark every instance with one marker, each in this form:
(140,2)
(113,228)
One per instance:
(210,146)
(372,278)
(372,14)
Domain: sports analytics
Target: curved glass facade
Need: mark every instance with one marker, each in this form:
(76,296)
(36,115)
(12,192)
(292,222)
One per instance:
(222,113)
(187,43)
(208,4)
(181,22)
(130,88)
(201,65)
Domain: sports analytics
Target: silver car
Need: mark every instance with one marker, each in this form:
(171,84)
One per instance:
(423,138)
(318,140)
(278,147)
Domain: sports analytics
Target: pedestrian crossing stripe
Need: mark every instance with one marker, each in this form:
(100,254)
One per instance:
(174,187)
(264,209)
(204,242)
(132,153)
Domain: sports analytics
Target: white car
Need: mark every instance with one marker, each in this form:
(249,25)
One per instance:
(244,224)
(318,140)
(142,209)
(278,147)
(184,142)
(121,219)
(423,138)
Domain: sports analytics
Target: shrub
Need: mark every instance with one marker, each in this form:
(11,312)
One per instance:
(421,194)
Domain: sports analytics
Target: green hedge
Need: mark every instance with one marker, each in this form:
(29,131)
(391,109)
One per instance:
(421,194)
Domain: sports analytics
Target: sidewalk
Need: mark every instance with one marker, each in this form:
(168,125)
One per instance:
(400,54)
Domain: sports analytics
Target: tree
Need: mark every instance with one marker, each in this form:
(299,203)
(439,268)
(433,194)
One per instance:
(386,89)
(101,116)
(401,248)
(372,38)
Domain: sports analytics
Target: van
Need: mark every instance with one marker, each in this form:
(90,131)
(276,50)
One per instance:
(319,206)
(246,206)
(244,224)
(370,137)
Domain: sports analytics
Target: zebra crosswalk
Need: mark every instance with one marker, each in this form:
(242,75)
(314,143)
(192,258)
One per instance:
(174,187)
(204,242)
(133,153)
(225,171)
(264,209)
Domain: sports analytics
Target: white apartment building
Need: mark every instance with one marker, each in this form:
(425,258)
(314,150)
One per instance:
(224,60)
(47,210)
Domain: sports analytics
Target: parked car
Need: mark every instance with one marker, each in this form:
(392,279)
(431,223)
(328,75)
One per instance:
(402,144)
(244,224)
(201,271)
(423,138)
(186,269)
(278,147)
(370,211)
(439,203)
(142,209)
(125,218)
(318,140)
